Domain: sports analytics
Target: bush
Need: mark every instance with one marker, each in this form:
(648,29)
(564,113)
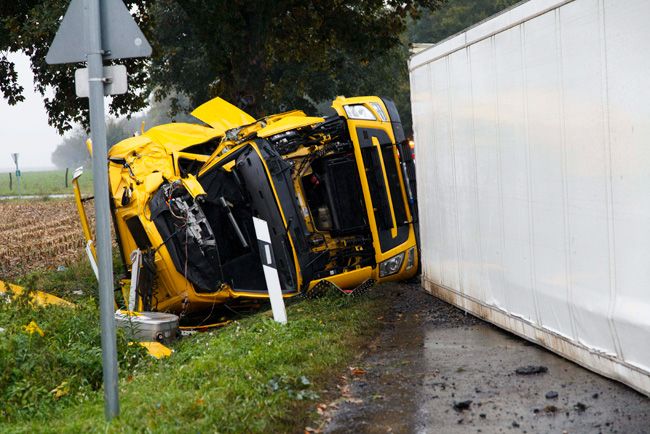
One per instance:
(59,367)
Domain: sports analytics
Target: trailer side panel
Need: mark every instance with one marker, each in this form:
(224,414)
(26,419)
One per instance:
(532,132)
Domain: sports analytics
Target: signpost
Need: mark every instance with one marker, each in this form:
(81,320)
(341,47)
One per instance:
(92,31)
(18,173)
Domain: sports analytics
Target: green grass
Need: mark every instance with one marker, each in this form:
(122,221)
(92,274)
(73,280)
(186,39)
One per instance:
(76,282)
(43,183)
(252,376)
(65,360)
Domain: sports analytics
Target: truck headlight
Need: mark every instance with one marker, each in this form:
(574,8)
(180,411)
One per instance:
(379,111)
(359,111)
(391,266)
(410,258)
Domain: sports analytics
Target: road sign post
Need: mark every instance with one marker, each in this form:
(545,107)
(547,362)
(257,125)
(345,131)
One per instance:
(102,210)
(92,31)
(18,174)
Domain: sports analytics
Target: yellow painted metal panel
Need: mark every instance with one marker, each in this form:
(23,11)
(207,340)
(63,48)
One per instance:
(288,123)
(38,297)
(221,115)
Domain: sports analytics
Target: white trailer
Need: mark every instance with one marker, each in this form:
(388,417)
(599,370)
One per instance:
(532,134)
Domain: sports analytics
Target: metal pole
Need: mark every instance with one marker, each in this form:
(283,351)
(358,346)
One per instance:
(15,157)
(102,211)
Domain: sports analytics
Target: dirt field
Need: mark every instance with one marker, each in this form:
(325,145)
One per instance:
(38,235)
(435,369)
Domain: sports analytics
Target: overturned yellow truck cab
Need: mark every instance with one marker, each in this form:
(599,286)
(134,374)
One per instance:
(336,193)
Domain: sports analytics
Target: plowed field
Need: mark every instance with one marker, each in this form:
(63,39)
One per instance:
(36,235)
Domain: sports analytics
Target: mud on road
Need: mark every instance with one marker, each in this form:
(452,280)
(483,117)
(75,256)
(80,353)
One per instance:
(435,369)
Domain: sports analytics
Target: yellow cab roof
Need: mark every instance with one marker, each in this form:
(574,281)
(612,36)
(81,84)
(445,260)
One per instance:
(173,137)
(221,116)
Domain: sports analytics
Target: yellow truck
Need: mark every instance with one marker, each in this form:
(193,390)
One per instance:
(335,192)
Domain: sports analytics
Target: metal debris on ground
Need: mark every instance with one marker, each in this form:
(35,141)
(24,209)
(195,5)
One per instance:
(531,370)
(155,349)
(38,298)
(462,405)
(551,394)
(580,407)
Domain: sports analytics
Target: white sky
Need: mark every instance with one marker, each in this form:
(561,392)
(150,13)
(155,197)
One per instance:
(24,128)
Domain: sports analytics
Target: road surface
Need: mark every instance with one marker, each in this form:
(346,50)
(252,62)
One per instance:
(435,369)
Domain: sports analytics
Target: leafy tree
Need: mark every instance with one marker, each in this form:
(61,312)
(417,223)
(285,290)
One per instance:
(72,151)
(268,56)
(160,112)
(436,25)
(388,73)
(262,55)
(30,26)
(431,26)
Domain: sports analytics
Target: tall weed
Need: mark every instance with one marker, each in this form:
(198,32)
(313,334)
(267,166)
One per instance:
(59,367)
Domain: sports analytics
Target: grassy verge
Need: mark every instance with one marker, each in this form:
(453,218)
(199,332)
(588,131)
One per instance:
(251,376)
(75,282)
(51,357)
(43,183)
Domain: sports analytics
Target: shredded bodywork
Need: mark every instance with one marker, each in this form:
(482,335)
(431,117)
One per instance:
(334,192)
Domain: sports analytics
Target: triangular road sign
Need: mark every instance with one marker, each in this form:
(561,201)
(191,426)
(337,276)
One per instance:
(121,36)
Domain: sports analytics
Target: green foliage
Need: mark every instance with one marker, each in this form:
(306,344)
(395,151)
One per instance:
(39,374)
(44,182)
(73,152)
(269,56)
(74,283)
(385,76)
(260,55)
(61,368)
(252,376)
(30,26)
(436,25)
(263,56)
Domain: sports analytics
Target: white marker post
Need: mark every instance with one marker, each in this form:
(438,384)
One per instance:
(270,271)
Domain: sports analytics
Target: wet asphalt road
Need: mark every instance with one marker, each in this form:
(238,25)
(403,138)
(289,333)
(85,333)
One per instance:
(435,369)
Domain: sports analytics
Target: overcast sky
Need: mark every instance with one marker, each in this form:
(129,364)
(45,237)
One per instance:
(24,128)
